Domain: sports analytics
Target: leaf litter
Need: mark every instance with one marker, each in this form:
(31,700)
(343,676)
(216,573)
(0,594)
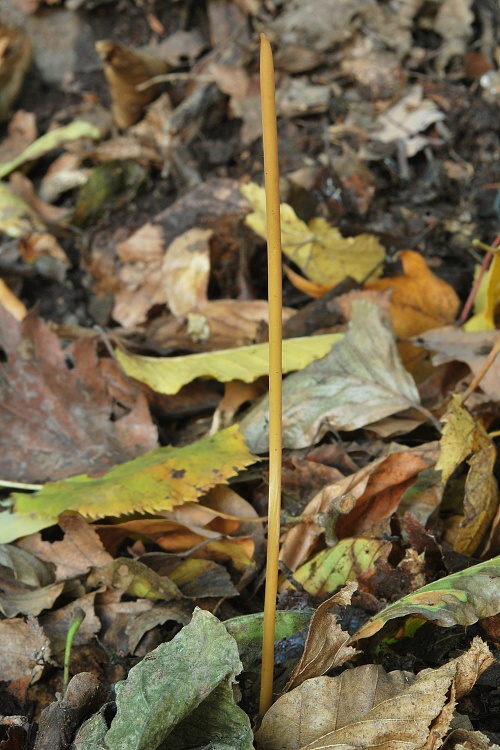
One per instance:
(137,232)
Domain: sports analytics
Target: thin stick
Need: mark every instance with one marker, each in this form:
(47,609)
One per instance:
(270,139)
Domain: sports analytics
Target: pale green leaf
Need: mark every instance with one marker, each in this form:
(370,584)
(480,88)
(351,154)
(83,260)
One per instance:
(459,599)
(50,141)
(247,363)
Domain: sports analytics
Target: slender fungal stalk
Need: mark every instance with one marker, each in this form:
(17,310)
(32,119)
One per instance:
(270,139)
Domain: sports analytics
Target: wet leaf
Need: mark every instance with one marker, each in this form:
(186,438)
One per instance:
(247,363)
(318,249)
(248,630)
(458,599)
(172,682)
(158,480)
(361,381)
(111,184)
(463,439)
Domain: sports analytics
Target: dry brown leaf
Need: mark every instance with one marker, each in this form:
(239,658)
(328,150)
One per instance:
(420,299)
(450,344)
(142,253)
(56,623)
(326,644)
(364,707)
(360,501)
(125,69)
(61,411)
(21,132)
(79,551)
(186,270)
(15,59)
(25,649)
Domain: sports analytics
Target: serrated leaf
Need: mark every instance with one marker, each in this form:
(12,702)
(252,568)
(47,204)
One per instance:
(318,249)
(158,480)
(247,363)
(459,599)
(49,141)
(359,382)
(171,682)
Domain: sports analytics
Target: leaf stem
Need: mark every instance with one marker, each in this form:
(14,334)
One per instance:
(271,170)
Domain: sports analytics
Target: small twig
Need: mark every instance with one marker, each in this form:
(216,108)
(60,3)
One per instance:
(20,485)
(484,267)
(170,77)
(482,372)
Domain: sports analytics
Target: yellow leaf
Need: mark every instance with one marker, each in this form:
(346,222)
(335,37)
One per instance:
(420,299)
(318,249)
(247,363)
(156,481)
(486,300)
(465,439)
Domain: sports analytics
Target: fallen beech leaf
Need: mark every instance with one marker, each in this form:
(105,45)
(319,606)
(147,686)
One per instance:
(25,649)
(158,480)
(173,681)
(486,300)
(326,644)
(59,408)
(453,344)
(15,59)
(356,504)
(459,599)
(365,707)
(420,299)
(325,572)
(465,439)
(79,551)
(125,69)
(318,249)
(50,141)
(186,270)
(17,218)
(246,363)
(134,579)
(11,303)
(361,381)
(197,579)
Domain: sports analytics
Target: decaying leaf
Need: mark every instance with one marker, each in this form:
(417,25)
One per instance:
(15,59)
(25,649)
(125,69)
(60,408)
(173,681)
(135,579)
(326,644)
(365,707)
(318,249)
(186,270)
(246,363)
(158,480)
(459,599)
(464,439)
(361,381)
(334,567)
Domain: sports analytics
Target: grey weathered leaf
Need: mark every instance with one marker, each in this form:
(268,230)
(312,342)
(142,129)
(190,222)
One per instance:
(359,382)
(171,682)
